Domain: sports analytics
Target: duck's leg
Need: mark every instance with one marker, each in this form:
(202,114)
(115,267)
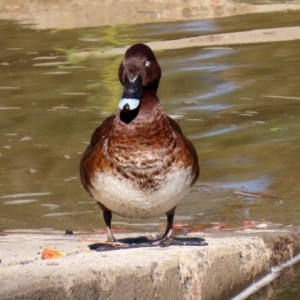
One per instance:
(170,218)
(107,215)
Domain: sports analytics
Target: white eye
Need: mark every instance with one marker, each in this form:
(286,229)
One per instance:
(123,63)
(147,64)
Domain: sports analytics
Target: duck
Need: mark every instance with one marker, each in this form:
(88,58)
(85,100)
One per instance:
(138,163)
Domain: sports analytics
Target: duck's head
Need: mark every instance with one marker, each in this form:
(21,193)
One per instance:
(138,71)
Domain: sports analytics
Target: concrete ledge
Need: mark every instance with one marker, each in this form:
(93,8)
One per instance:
(230,262)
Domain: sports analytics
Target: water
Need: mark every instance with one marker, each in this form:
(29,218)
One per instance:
(239,105)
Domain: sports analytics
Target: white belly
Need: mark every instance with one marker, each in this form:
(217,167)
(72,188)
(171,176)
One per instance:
(124,199)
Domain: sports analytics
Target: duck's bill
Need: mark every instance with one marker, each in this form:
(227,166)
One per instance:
(127,104)
(132,94)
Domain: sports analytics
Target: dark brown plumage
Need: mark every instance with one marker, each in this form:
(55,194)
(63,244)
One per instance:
(138,163)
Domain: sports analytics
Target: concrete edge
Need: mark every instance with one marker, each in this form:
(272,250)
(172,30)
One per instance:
(229,263)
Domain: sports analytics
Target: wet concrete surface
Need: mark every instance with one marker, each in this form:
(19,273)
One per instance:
(220,266)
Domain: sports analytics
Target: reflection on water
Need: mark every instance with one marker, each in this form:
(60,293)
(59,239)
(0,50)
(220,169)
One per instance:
(255,185)
(239,105)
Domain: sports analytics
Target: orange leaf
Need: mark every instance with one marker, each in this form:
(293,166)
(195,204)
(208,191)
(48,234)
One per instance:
(51,253)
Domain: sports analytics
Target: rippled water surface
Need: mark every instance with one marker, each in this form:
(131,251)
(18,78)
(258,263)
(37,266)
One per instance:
(239,105)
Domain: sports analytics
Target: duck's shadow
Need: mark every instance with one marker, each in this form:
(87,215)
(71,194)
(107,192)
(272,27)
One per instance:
(142,241)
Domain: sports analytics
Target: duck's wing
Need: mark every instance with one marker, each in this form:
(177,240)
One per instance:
(101,133)
(186,150)
(87,163)
(174,125)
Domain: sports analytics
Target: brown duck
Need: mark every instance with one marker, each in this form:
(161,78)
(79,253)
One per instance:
(138,163)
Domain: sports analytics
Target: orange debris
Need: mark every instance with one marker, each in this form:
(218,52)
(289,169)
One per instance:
(51,253)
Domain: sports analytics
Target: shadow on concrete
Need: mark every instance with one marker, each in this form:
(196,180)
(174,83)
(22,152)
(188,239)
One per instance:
(143,241)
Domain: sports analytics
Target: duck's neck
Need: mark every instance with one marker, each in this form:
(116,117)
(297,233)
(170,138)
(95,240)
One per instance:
(150,104)
(149,114)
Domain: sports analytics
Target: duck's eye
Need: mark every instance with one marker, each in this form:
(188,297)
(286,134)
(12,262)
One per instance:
(147,64)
